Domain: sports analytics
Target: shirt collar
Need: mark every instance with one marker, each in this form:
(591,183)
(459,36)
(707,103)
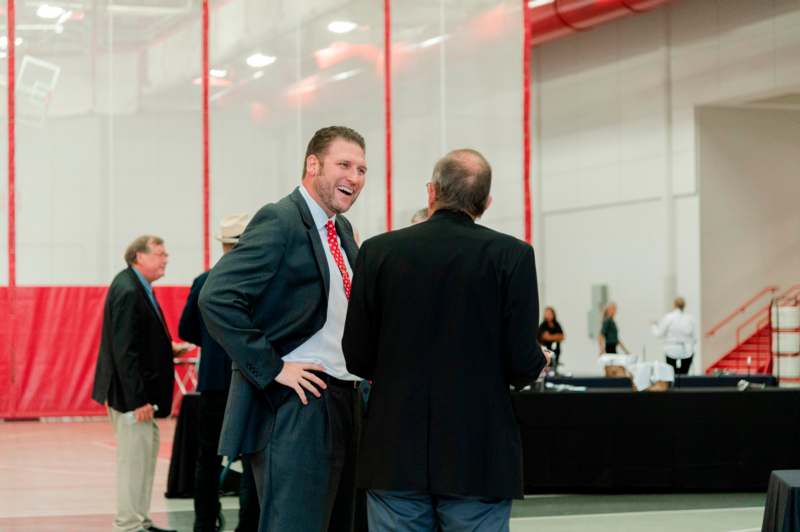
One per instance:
(317,213)
(144,281)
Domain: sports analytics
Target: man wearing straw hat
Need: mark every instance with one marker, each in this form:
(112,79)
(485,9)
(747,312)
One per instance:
(214,380)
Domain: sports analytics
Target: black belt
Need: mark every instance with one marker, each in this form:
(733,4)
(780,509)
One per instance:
(337,383)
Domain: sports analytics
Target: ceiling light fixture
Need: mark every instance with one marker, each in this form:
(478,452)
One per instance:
(341,26)
(217,73)
(49,12)
(346,75)
(433,41)
(260,60)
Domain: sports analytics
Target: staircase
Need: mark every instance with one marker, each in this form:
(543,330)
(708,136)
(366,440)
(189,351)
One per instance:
(752,352)
(753,355)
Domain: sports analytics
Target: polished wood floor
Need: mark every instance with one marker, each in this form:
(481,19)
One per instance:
(59,477)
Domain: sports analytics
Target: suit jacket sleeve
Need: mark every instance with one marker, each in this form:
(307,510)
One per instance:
(359,341)
(126,349)
(520,316)
(233,289)
(189,327)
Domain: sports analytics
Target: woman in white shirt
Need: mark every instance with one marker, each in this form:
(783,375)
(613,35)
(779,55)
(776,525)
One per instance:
(680,336)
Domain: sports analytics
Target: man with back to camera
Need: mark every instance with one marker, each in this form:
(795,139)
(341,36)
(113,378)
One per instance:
(214,379)
(679,332)
(277,303)
(134,377)
(441,319)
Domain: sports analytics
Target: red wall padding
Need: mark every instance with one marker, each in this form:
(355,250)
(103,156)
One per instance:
(49,350)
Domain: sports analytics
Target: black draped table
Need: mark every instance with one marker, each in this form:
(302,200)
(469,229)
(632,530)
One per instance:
(681,381)
(714,439)
(782,511)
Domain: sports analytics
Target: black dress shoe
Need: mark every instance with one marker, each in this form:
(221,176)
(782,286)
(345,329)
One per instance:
(153,528)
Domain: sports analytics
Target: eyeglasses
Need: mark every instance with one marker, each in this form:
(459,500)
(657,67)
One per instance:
(163,254)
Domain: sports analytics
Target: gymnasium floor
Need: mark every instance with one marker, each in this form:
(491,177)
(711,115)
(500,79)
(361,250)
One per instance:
(60,477)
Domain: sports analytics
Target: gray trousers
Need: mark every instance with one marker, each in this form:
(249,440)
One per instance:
(305,476)
(417,511)
(137,450)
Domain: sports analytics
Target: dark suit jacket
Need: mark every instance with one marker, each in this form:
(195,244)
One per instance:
(215,365)
(134,365)
(442,317)
(263,299)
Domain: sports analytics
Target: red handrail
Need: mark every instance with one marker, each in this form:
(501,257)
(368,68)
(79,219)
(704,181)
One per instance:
(741,308)
(757,314)
(789,293)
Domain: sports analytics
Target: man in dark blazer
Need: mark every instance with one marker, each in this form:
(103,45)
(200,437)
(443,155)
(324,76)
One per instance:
(442,318)
(214,379)
(134,377)
(276,304)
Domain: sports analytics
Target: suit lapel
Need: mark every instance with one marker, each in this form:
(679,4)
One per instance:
(157,314)
(162,319)
(313,238)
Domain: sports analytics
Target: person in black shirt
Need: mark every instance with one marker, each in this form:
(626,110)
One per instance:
(551,335)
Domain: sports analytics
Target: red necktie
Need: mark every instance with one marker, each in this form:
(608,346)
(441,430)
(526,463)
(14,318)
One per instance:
(333,243)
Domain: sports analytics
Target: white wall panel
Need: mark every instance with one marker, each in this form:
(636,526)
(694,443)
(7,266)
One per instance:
(749,219)
(607,142)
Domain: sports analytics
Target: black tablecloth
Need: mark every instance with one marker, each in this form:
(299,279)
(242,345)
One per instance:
(782,511)
(180,479)
(593,382)
(681,381)
(722,381)
(681,440)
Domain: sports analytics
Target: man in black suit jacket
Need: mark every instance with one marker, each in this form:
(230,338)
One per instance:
(276,304)
(442,319)
(214,379)
(134,377)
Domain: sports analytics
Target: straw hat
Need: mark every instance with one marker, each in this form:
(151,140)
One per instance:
(231,227)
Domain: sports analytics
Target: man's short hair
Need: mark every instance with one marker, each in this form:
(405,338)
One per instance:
(141,245)
(680,303)
(463,179)
(318,145)
(420,216)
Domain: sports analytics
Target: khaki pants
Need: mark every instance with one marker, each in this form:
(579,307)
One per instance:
(137,450)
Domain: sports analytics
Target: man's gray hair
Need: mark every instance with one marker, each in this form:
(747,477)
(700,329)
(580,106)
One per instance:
(141,245)
(463,179)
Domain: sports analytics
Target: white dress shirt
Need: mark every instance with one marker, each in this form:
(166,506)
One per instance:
(325,346)
(679,333)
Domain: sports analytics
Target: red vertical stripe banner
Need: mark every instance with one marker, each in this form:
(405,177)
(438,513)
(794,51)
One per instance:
(206,158)
(526,121)
(387,93)
(11,23)
(12,237)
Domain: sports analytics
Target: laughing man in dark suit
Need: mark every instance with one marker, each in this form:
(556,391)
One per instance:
(441,318)
(276,304)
